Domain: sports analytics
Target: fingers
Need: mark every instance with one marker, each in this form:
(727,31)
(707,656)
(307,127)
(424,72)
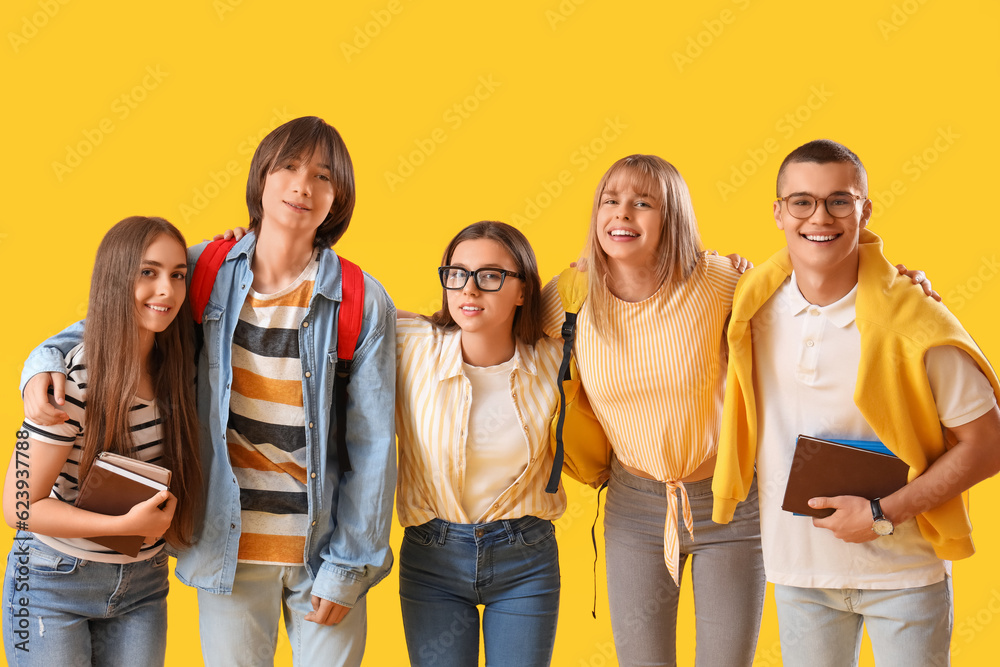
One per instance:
(326,612)
(820,503)
(580,264)
(59,388)
(37,407)
(741,264)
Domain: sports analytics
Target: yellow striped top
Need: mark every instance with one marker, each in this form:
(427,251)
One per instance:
(433,397)
(657,382)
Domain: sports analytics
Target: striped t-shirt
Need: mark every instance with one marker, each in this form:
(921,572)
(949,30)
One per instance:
(657,382)
(266,437)
(147,436)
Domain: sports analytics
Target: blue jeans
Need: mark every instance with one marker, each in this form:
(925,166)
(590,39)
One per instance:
(241,629)
(726,566)
(821,627)
(511,567)
(66,611)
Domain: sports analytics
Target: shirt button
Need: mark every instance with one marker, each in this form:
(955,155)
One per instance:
(809,343)
(313,523)
(313,475)
(305,324)
(233,526)
(308,374)
(814,312)
(310,424)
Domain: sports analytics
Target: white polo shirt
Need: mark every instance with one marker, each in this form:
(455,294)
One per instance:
(806,364)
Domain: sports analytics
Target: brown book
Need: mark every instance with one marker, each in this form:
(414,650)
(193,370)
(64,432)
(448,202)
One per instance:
(848,468)
(114,484)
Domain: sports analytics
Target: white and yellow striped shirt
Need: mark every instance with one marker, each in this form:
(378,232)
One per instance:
(433,397)
(657,382)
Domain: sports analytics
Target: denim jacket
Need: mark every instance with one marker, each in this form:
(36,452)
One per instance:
(346,552)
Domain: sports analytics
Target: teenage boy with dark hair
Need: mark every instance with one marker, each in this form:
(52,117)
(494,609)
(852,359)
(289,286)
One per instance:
(827,340)
(287,531)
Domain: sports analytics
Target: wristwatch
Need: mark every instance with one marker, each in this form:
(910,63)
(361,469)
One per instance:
(880,525)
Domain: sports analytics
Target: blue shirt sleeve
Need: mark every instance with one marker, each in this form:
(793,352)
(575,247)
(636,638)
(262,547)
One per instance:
(49,357)
(358,555)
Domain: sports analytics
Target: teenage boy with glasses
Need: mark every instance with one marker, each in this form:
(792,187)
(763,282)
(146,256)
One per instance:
(827,340)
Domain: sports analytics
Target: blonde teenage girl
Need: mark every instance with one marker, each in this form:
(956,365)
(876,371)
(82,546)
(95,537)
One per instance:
(650,350)
(476,387)
(129,390)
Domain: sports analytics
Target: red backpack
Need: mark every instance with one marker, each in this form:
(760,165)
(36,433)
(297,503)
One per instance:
(348,327)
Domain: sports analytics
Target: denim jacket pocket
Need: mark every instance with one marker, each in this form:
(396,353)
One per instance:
(46,561)
(211,325)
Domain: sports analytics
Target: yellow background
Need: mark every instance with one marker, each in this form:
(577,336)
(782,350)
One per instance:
(478,110)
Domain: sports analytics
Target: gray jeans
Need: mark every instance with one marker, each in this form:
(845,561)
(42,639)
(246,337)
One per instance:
(726,567)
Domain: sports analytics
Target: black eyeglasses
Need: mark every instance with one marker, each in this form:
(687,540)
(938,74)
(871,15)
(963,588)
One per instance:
(487,280)
(803,206)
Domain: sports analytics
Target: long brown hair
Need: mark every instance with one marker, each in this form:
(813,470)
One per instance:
(295,139)
(111,353)
(528,316)
(680,244)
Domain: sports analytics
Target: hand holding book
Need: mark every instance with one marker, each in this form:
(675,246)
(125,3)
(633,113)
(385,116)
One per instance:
(851,520)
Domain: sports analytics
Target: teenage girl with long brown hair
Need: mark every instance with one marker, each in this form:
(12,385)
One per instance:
(130,391)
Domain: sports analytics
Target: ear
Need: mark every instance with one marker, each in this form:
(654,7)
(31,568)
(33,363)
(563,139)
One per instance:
(866,213)
(520,294)
(777,215)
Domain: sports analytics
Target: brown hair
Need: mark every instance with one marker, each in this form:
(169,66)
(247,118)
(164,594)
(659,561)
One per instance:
(301,138)
(111,352)
(527,317)
(824,151)
(679,246)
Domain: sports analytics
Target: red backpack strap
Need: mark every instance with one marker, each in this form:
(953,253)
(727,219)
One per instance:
(348,330)
(205,271)
(351,306)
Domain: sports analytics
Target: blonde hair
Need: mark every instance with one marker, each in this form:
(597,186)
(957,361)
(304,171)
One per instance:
(679,246)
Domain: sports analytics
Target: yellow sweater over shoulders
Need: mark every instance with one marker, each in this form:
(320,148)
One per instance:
(898,324)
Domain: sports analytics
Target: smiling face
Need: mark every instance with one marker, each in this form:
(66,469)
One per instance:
(298,194)
(485,313)
(822,245)
(630,222)
(160,287)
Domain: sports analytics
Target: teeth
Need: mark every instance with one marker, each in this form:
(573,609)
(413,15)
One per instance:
(159,309)
(623,232)
(820,238)
(471,308)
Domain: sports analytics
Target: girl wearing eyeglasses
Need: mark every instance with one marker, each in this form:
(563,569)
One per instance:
(476,388)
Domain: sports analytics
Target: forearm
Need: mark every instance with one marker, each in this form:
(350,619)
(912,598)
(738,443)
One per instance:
(959,469)
(55,518)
